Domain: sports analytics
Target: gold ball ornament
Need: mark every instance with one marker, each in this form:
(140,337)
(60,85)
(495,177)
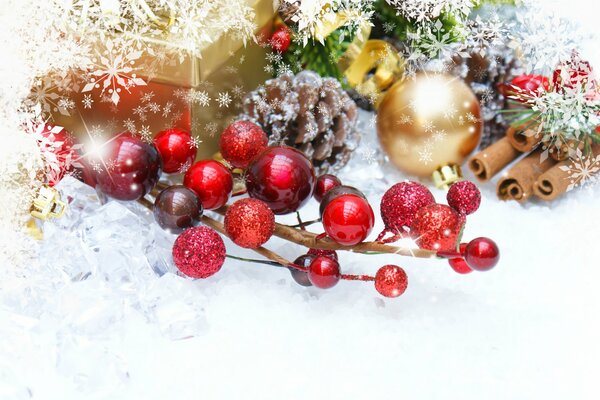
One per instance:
(427,122)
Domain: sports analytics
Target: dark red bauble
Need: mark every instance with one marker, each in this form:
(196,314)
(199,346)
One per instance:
(324,272)
(348,219)
(241,142)
(130,168)
(211,181)
(459,264)
(177,208)
(464,197)
(436,227)
(281,39)
(282,177)
(338,191)
(401,202)
(299,276)
(249,223)
(324,184)
(176,150)
(391,281)
(199,252)
(482,254)
(327,253)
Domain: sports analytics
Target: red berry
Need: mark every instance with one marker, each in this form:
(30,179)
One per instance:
(241,142)
(401,202)
(199,252)
(464,197)
(130,168)
(348,219)
(391,281)
(324,272)
(436,227)
(299,276)
(327,253)
(249,223)
(211,181)
(338,191)
(282,177)
(482,254)
(176,150)
(324,184)
(281,39)
(459,264)
(531,83)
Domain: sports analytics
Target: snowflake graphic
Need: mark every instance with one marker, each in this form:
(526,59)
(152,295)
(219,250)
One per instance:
(199,97)
(168,109)
(368,154)
(154,107)
(146,134)
(140,111)
(238,91)
(582,170)
(439,136)
(428,126)
(147,97)
(211,128)
(66,103)
(96,131)
(224,99)
(129,125)
(425,155)
(87,101)
(194,142)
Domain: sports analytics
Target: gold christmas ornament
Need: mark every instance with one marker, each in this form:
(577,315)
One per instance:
(427,122)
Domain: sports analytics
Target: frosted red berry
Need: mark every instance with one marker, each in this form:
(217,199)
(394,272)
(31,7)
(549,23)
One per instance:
(401,202)
(436,227)
(199,252)
(242,141)
(464,197)
(281,39)
(324,272)
(391,281)
(249,223)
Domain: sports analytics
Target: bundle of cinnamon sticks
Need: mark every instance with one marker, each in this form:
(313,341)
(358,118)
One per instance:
(530,176)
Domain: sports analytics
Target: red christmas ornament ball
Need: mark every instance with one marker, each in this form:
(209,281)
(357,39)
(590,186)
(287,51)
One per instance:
(199,252)
(211,181)
(281,39)
(436,227)
(241,142)
(130,168)
(324,272)
(301,277)
(348,219)
(482,254)
(464,197)
(336,192)
(326,253)
(324,184)
(249,223)
(459,264)
(391,281)
(282,177)
(401,202)
(176,150)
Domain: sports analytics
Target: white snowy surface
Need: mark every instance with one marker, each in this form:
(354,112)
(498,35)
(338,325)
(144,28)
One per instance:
(90,323)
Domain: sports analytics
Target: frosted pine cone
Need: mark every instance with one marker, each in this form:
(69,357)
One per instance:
(308,112)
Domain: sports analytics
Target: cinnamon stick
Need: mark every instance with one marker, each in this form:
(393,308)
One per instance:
(517,183)
(493,159)
(524,140)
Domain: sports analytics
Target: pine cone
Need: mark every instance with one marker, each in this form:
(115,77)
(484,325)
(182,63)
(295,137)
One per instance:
(310,113)
(287,10)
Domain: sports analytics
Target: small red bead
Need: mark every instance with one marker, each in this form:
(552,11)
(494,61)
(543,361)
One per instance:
(282,177)
(482,254)
(249,223)
(299,276)
(324,272)
(324,184)
(241,142)
(391,281)
(459,264)
(348,219)
(176,150)
(464,197)
(327,253)
(281,39)
(199,252)
(211,181)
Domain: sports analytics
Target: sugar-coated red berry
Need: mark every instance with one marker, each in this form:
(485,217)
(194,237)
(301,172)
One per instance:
(199,252)
(326,253)
(324,184)
(348,219)
(282,177)
(176,150)
(464,197)
(249,223)
(391,281)
(281,39)
(242,141)
(459,264)
(211,181)
(436,227)
(401,202)
(482,254)
(301,277)
(324,272)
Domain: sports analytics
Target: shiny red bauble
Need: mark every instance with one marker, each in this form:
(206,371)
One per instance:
(281,39)
(401,202)
(531,83)
(391,281)
(176,150)
(464,197)
(128,169)
(324,184)
(199,252)
(211,181)
(348,219)
(436,227)
(482,254)
(336,192)
(241,142)
(249,223)
(324,272)
(282,177)
(459,264)
(301,277)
